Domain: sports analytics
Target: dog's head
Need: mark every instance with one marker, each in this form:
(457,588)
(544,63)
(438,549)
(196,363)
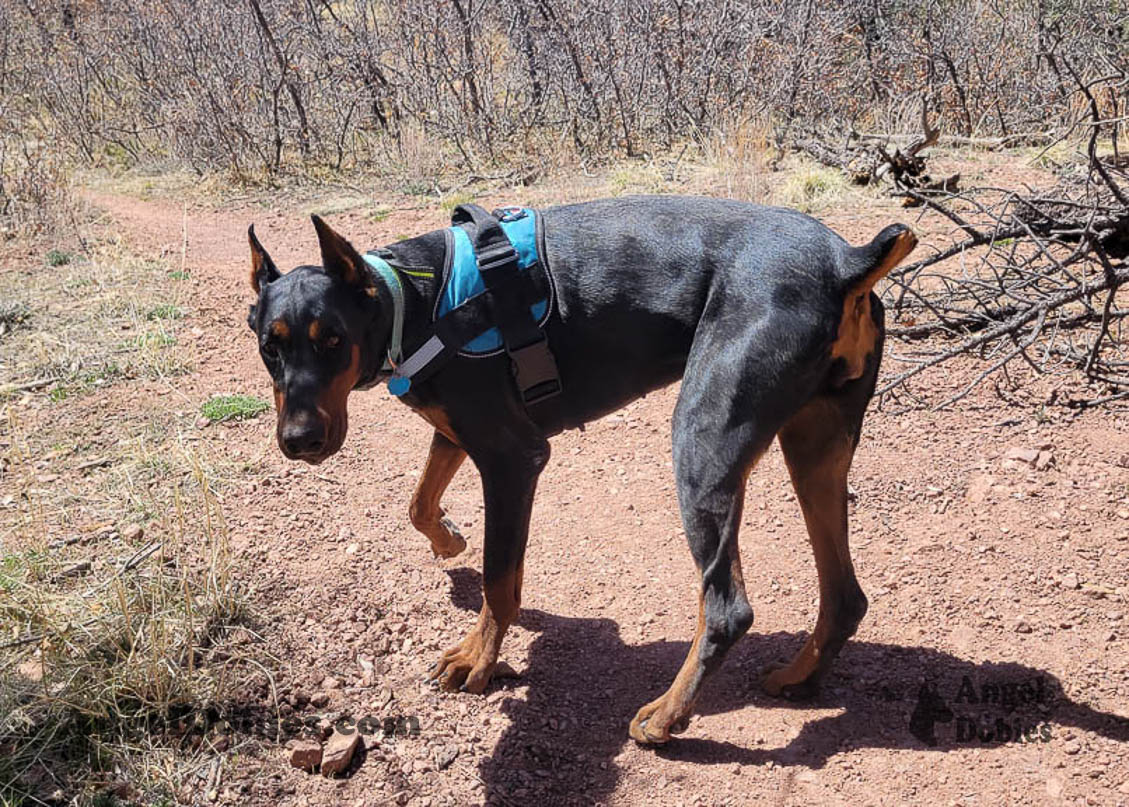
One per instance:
(321,330)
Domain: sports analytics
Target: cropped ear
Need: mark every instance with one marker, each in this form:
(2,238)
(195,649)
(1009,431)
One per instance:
(263,270)
(339,257)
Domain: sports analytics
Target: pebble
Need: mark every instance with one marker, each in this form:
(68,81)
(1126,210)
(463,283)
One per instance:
(305,755)
(132,532)
(339,752)
(445,755)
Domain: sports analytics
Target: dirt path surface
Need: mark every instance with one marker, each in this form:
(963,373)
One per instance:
(986,576)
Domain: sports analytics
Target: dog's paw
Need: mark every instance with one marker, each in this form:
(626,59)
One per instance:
(467,667)
(451,541)
(647,728)
(779,681)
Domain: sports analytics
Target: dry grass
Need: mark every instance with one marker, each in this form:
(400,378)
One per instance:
(120,624)
(811,188)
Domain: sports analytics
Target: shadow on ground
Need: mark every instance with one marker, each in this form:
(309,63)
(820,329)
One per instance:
(585,685)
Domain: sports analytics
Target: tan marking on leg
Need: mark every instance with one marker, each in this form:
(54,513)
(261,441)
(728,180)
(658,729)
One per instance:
(818,448)
(670,712)
(439,421)
(470,664)
(443,461)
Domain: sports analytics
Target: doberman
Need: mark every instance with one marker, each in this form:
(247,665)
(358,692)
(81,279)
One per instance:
(766,315)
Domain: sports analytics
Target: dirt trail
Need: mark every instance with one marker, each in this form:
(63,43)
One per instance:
(979,569)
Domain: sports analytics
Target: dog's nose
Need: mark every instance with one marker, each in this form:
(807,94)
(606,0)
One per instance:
(303,437)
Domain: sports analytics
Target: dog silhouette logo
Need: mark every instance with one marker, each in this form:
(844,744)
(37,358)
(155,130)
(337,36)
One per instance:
(931,709)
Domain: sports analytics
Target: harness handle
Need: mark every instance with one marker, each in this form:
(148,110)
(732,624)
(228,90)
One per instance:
(535,369)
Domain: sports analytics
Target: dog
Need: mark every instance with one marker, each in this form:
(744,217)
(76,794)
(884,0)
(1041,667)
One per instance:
(767,316)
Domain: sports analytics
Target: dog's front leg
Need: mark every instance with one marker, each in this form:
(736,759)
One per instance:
(443,460)
(509,480)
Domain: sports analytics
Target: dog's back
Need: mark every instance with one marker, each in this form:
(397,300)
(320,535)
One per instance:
(637,277)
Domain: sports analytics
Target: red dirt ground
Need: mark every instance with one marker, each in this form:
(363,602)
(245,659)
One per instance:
(977,567)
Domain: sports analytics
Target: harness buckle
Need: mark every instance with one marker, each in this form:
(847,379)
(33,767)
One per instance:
(496,256)
(535,370)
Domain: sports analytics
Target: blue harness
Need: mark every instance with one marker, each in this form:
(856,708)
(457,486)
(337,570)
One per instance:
(462,280)
(496,295)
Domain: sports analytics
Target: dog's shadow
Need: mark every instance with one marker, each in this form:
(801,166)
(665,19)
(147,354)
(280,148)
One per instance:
(585,685)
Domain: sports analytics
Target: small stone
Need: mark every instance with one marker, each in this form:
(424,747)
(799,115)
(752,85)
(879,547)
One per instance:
(1027,456)
(132,532)
(339,752)
(1070,581)
(1054,787)
(329,682)
(1071,748)
(445,755)
(305,755)
(320,700)
(202,422)
(1022,627)
(352,549)
(1044,460)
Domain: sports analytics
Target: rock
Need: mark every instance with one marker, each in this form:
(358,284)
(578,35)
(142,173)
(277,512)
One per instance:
(1028,456)
(1070,581)
(979,488)
(132,532)
(1044,461)
(1071,748)
(320,700)
(305,755)
(339,752)
(445,755)
(202,422)
(329,682)
(1022,627)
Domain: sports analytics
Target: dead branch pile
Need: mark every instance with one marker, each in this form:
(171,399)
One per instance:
(1031,278)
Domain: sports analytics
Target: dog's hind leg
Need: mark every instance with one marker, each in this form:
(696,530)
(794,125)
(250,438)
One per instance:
(721,426)
(818,444)
(443,460)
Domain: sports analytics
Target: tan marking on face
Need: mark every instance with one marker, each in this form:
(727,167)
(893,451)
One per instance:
(314,330)
(857,331)
(280,329)
(332,402)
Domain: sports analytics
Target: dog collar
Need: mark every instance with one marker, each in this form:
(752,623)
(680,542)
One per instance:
(396,343)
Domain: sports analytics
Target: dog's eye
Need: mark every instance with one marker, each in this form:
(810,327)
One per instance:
(333,342)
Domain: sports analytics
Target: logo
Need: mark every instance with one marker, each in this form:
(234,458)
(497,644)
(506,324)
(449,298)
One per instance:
(989,712)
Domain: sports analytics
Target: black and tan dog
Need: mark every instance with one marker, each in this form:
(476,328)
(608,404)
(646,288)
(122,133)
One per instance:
(766,315)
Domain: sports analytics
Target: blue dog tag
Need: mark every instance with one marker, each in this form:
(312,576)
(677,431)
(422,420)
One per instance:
(398,385)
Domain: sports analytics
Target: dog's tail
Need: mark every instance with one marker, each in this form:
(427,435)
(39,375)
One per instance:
(865,266)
